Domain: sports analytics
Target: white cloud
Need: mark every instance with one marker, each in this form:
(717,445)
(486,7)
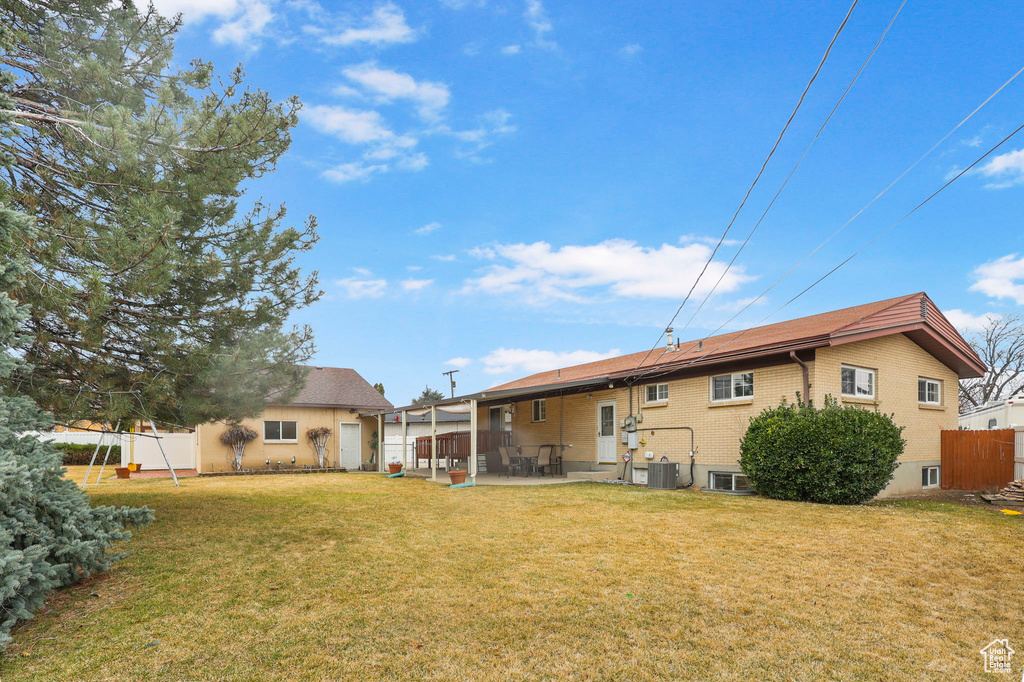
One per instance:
(445,259)
(1006,169)
(193,10)
(348,125)
(247,26)
(702,239)
(362,288)
(428,228)
(416,284)
(539,274)
(472,49)
(355,170)
(385,25)
(459,362)
(413,268)
(490,125)
(1001,278)
(511,49)
(538,20)
(484,252)
(630,51)
(966,322)
(386,85)
(522,361)
(462,4)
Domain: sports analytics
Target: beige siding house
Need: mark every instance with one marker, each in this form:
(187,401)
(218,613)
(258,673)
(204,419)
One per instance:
(334,397)
(900,356)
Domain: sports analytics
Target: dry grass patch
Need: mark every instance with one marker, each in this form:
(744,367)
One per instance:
(353,576)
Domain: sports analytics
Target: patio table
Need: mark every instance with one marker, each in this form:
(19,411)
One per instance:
(525,463)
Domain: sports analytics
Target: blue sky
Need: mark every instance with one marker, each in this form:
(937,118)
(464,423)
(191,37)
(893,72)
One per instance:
(507,186)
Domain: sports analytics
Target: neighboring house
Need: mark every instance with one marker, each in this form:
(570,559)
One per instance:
(1002,414)
(333,397)
(901,356)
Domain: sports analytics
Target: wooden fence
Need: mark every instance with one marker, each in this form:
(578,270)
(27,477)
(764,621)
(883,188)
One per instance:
(977,460)
(452,446)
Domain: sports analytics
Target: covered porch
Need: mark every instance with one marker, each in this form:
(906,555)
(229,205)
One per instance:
(505,444)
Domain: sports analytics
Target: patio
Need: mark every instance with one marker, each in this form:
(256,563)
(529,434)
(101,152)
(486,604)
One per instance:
(497,479)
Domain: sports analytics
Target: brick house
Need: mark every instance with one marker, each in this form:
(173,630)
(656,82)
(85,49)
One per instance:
(900,356)
(335,397)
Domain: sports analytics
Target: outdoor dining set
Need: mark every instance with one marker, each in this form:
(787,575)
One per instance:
(527,460)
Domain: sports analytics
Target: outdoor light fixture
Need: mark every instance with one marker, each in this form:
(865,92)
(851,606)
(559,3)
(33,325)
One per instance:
(293,459)
(268,461)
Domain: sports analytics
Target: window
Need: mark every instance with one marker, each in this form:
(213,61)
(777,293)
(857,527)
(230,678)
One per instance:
(732,386)
(992,423)
(723,480)
(929,477)
(858,382)
(280,432)
(929,391)
(540,410)
(657,393)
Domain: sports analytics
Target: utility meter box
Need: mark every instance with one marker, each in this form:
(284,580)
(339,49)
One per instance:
(632,440)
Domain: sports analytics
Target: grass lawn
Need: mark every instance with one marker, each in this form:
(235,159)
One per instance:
(354,576)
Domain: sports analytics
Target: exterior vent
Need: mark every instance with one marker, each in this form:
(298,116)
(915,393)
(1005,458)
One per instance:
(662,475)
(924,309)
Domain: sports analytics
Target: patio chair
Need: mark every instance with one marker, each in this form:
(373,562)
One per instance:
(506,460)
(547,460)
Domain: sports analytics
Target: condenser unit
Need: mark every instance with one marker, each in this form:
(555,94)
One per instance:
(662,475)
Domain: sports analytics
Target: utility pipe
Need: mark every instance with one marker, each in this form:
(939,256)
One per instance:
(807,376)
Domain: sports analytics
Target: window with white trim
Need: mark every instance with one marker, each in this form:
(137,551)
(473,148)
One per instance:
(280,432)
(858,382)
(657,393)
(732,386)
(929,391)
(929,477)
(540,410)
(727,480)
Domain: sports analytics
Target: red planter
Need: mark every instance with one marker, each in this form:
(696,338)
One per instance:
(123,472)
(458,476)
(394,467)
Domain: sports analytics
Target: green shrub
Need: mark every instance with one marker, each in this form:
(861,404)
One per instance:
(77,454)
(834,455)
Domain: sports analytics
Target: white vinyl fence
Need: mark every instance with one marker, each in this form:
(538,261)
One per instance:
(180,448)
(78,438)
(1018,451)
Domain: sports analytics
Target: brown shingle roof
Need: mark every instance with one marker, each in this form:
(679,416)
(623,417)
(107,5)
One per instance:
(805,332)
(339,387)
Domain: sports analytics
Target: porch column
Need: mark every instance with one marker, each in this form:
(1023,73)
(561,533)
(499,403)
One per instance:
(405,451)
(473,464)
(380,443)
(433,443)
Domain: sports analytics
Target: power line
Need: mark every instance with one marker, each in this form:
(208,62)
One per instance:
(847,259)
(750,189)
(873,200)
(796,166)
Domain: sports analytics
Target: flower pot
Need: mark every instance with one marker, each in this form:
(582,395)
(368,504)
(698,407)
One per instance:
(132,466)
(123,472)
(458,476)
(394,467)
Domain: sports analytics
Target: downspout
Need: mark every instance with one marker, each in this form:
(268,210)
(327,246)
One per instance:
(807,376)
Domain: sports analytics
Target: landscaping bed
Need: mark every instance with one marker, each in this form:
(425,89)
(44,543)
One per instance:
(262,472)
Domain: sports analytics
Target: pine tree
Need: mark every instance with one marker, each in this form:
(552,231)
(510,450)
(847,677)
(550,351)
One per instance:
(429,395)
(144,273)
(49,535)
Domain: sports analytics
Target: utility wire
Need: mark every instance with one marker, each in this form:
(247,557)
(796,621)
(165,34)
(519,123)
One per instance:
(796,166)
(868,205)
(750,189)
(845,260)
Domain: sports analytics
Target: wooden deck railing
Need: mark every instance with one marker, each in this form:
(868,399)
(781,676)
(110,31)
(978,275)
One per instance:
(456,445)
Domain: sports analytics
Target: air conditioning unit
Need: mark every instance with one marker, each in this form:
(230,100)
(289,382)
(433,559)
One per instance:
(662,475)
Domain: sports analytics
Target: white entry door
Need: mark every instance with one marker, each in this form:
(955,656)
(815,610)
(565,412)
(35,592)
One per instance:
(606,445)
(349,443)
